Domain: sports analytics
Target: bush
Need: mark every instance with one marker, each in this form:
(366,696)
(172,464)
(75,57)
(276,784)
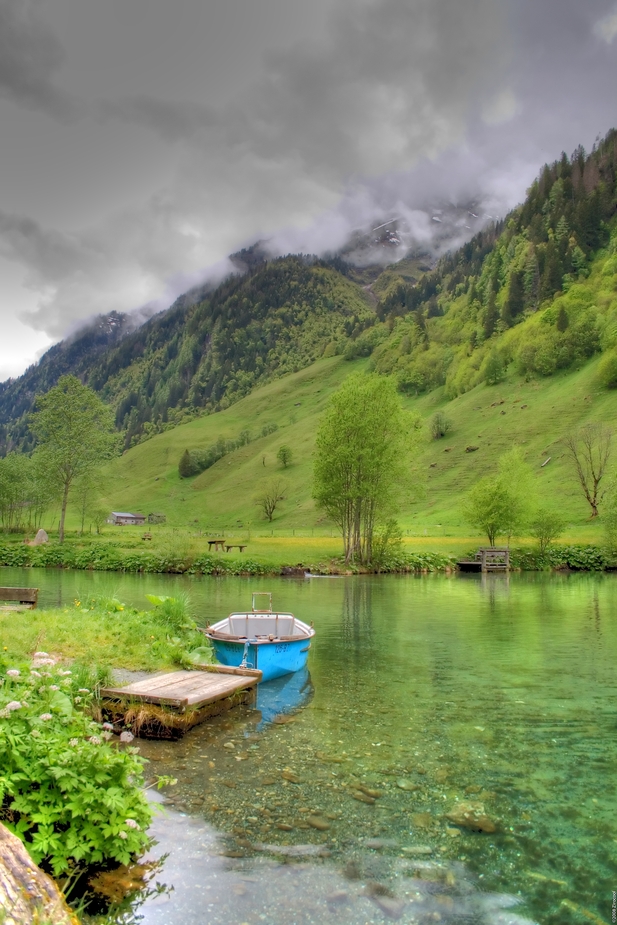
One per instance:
(494,368)
(579,558)
(440,425)
(73,799)
(606,376)
(546,526)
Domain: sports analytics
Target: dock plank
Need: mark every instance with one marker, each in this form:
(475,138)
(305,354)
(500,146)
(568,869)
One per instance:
(183,688)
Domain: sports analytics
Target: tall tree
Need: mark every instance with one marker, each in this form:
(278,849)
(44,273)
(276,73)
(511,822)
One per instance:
(74,429)
(589,449)
(363,459)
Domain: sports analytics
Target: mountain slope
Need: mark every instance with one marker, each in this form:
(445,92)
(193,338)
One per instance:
(201,356)
(531,414)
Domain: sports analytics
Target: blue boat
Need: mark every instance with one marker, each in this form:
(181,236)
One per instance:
(274,643)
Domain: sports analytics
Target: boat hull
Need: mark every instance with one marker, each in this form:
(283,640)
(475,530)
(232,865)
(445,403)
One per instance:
(273,659)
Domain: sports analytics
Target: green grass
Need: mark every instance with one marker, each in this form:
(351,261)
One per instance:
(223,497)
(93,636)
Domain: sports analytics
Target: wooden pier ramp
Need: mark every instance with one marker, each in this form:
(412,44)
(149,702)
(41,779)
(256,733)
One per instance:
(166,705)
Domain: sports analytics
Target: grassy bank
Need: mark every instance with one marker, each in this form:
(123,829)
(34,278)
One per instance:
(180,553)
(104,634)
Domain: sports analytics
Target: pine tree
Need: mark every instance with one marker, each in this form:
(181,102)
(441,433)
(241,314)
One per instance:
(563,321)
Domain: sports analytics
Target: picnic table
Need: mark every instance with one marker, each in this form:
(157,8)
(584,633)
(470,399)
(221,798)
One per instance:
(218,545)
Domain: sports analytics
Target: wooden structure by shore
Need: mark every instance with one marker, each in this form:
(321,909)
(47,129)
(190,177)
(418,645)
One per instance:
(165,706)
(488,559)
(18,598)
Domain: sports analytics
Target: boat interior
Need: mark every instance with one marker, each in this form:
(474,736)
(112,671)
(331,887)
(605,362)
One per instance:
(266,625)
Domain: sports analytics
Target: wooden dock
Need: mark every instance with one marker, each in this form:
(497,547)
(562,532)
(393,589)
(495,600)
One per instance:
(18,598)
(166,705)
(488,559)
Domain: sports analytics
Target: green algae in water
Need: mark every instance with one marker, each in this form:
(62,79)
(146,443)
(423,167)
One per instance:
(496,692)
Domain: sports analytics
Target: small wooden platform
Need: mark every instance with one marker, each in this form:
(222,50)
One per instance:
(166,705)
(488,559)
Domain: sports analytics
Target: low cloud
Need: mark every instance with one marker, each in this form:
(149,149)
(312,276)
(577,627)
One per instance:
(30,55)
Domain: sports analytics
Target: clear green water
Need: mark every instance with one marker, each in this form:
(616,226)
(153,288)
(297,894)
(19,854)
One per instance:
(504,686)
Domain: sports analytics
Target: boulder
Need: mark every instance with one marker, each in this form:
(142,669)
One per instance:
(27,895)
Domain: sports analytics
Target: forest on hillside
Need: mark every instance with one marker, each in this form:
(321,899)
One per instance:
(535,292)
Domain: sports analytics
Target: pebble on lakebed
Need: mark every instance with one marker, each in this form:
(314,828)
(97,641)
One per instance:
(472,815)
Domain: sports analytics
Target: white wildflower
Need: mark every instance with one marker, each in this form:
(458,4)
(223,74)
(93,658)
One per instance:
(131,824)
(108,726)
(66,683)
(44,661)
(73,743)
(41,655)
(122,835)
(13,673)
(106,735)
(126,736)
(13,705)
(35,674)
(78,700)
(83,690)
(54,687)
(36,734)
(95,740)
(4,713)
(45,717)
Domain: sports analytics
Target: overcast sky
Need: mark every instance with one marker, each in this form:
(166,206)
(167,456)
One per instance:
(142,141)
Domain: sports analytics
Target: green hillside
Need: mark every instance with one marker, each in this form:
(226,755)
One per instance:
(533,414)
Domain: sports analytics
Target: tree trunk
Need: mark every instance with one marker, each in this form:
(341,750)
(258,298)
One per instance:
(65,501)
(27,895)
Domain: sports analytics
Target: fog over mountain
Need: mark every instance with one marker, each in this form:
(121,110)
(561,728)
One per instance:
(144,142)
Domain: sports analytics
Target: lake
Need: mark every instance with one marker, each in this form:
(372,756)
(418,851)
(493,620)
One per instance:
(328,802)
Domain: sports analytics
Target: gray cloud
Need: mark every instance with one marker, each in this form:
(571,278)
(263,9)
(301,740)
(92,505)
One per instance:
(400,108)
(30,54)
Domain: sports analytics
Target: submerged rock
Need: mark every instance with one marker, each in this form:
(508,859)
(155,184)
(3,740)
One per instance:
(471,815)
(422,820)
(403,783)
(317,822)
(363,797)
(291,777)
(295,851)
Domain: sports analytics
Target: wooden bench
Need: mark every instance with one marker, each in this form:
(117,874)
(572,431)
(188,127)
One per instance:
(26,597)
(487,559)
(231,546)
(218,545)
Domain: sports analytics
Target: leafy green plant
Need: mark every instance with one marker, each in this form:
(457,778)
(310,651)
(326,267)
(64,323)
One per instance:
(440,425)
(546,526)
(73,798)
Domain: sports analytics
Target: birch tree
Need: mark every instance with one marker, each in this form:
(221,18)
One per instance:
(363,460)
(74,429)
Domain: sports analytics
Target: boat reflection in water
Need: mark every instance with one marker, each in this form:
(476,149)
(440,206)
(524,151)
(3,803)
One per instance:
(283,696)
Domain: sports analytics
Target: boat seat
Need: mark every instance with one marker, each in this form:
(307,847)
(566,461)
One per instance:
(249,626)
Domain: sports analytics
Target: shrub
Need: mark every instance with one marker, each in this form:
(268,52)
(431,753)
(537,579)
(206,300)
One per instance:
(606,376)
(284,455)
(73,799)
(546,526)
(440,425)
